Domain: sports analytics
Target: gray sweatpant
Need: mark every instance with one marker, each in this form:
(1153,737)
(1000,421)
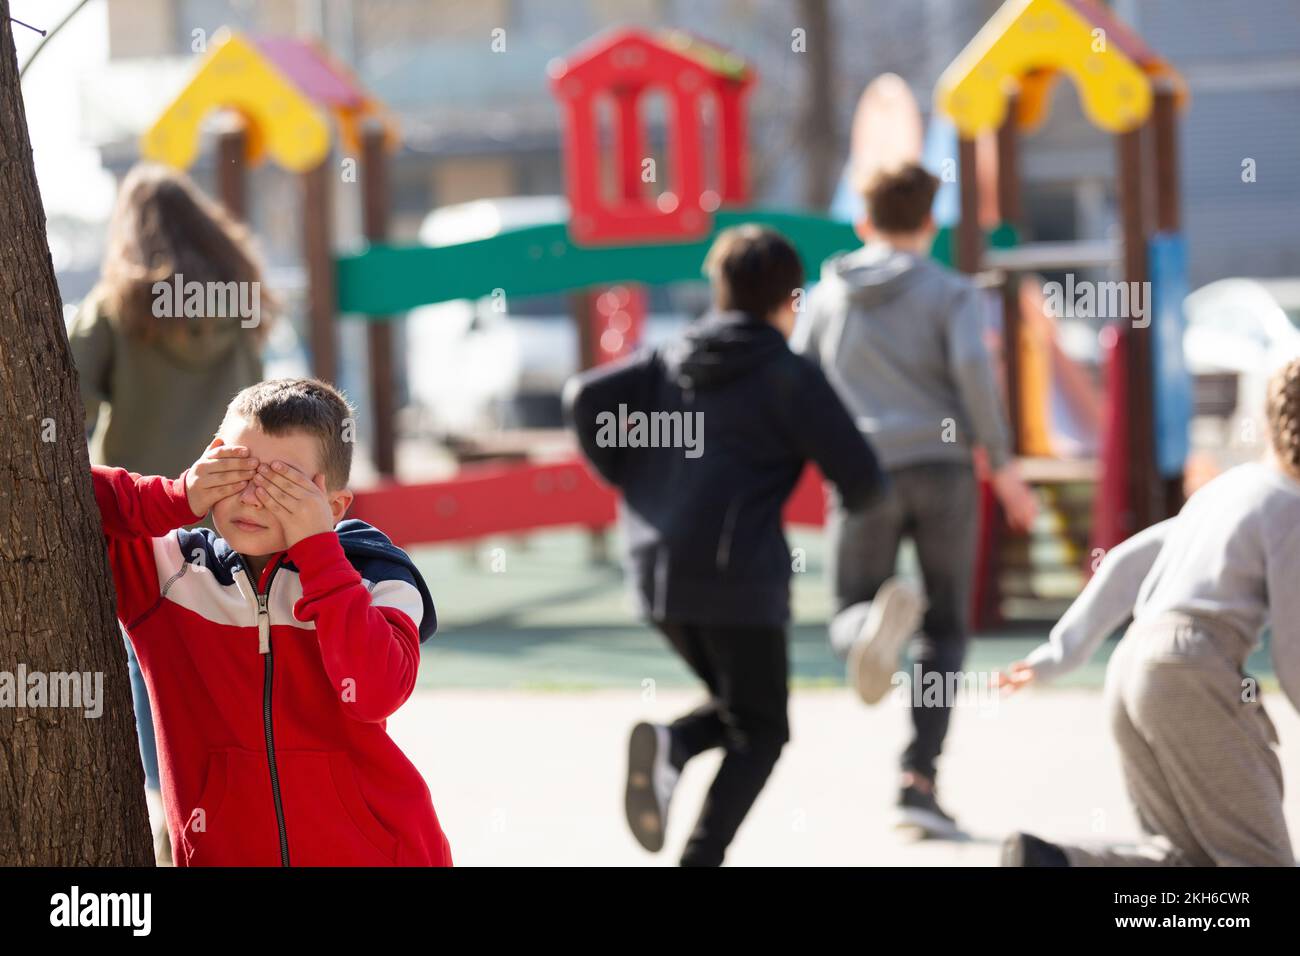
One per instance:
(1198,750)
(936,504)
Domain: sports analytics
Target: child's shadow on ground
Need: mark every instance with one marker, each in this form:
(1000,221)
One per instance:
(908,834)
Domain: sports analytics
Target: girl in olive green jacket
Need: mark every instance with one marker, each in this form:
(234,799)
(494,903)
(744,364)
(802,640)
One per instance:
(157,368)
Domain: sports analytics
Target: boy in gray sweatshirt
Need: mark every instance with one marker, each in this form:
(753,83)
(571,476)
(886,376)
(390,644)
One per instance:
(901,338)
(1198,748)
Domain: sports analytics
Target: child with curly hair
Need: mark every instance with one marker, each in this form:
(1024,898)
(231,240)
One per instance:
(1198,749)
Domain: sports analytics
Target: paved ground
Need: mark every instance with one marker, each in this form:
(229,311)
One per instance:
(528,692)
(535,778)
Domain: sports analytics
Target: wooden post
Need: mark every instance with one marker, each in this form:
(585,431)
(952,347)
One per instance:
(584,317)
(1145,493)
(319,261)
(1167,173)
(1010,209)
(1168,213)
(968,250)
(969,239)
(232,168)
(379,331)
(1009,212)
(1011,333)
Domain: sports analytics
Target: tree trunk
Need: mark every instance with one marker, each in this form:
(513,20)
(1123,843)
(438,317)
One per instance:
(822,152)
(71,785)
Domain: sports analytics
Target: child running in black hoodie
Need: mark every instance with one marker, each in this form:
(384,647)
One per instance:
(706,439)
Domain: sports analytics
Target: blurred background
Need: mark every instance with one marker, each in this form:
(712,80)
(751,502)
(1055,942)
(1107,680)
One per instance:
(478,127)
(481,153)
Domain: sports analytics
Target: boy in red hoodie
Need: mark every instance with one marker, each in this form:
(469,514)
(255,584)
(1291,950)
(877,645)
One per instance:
(275,649)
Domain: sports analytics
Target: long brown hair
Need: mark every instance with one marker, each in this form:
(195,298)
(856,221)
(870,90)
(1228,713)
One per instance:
(164,226)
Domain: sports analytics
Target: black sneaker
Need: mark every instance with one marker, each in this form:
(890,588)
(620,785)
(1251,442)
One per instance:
(1023,849)
(921,810)
(651,778)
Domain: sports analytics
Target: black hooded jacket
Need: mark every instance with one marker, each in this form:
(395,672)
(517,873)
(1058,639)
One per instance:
(702,518)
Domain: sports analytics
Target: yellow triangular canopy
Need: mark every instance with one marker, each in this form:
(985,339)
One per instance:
(284,89)
(1027,44)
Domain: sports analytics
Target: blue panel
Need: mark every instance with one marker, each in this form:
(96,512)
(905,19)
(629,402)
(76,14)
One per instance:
(1172,380)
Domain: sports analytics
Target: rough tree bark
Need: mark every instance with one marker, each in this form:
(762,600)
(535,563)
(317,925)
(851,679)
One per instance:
(71,786)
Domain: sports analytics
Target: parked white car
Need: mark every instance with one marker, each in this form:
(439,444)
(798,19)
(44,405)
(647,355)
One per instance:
(1242,328)
(473,367)
(1242,325)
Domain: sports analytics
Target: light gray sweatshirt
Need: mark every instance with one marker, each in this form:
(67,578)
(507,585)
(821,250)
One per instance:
(1232,554)
(901,339)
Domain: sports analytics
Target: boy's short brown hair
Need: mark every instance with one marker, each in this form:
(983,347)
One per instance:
(752,269)
(1283,410)
(303,404)
(899,200)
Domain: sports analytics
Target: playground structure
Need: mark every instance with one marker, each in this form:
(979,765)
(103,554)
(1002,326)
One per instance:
(623,69)
(1000,84)
(627,229)
(998,87)
(280,96)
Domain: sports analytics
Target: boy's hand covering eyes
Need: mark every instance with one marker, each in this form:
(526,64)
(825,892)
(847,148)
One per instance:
(299,503)
(222,470)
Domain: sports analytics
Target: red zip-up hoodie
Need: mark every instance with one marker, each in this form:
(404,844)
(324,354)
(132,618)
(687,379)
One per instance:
(270,697)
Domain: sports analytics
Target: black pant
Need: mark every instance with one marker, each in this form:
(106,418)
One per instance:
(745,670)
(935,505)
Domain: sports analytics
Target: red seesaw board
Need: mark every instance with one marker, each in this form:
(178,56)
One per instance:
(485,500)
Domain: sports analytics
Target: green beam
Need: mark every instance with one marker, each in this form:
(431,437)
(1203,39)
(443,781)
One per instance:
(1001,236)
(385,280)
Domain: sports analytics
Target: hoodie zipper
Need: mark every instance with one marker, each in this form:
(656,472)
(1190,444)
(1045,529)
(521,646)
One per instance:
(268,674)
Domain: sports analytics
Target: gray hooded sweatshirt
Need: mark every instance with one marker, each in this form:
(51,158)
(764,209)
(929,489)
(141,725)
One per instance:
(901,338)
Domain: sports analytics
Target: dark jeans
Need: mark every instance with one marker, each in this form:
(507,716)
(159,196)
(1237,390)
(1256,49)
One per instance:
(936,506)
(745,670)
(143,719)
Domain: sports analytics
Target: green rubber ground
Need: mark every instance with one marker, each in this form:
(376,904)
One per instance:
(538,614)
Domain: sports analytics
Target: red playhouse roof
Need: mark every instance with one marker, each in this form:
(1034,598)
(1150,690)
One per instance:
(325,81)
(312,72)
(621,67)
(631,57)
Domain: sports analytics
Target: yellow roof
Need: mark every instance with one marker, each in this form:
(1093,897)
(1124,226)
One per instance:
(285,91)
(1027,44)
